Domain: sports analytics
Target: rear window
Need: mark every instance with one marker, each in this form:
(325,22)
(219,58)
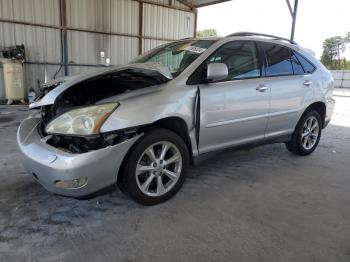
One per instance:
(278,59)
(307,66)
(297,66)
(284,61)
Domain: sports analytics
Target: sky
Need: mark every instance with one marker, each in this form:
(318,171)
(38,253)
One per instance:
(316,19)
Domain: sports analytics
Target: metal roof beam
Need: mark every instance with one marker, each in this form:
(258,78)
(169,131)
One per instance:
(293,13)
(290,8)
(202,3)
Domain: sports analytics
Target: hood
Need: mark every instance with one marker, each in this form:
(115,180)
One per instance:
(53,89)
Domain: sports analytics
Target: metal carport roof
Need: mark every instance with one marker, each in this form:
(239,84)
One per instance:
(202,3)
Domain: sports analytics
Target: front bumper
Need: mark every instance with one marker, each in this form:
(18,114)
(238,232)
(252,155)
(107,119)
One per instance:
(49,164)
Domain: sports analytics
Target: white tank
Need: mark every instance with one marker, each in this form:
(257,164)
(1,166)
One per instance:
(14,80)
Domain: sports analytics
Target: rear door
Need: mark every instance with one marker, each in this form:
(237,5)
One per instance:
(289,85)
(233,111)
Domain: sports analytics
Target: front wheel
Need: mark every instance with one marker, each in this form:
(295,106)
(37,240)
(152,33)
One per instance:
(156,166)
(307,134)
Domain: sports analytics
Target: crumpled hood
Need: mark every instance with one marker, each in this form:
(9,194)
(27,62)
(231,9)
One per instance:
(65,83)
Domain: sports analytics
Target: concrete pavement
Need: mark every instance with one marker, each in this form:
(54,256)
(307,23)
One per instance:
(264,204)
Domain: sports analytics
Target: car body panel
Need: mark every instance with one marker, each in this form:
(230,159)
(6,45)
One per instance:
(288,100)
(50,164)
(163,101)
(232,113)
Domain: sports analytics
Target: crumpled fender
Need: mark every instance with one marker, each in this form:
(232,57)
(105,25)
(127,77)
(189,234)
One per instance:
(158,103)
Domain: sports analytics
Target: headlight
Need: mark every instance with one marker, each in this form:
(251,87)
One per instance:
(82,121)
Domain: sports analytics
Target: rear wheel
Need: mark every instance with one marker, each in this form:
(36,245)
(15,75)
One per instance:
(156,167)
(307,134)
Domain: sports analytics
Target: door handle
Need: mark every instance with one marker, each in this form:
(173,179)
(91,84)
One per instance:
(307,83)
(262,88)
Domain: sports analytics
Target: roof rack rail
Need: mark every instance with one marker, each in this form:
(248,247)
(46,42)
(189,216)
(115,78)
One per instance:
(260,34)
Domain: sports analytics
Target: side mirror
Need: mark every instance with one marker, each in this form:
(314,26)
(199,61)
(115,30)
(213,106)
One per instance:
(216,72)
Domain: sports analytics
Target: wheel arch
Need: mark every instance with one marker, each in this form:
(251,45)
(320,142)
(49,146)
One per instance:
(320,107)
(178,126)
(174,124)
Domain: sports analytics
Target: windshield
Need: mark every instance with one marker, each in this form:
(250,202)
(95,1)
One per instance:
(177,56)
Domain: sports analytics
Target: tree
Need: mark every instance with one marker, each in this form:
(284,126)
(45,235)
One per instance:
(347,37)
(207,33)
(332,47)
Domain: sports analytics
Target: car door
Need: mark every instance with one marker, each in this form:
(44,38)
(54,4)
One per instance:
(289,85)
(233,111)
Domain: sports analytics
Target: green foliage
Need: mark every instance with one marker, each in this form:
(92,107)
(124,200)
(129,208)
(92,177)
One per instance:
(347,37)
(332,47)
(207,33)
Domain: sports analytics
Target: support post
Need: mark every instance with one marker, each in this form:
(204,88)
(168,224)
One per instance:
(140,26)
(294,17)
(64,37)
(195,22)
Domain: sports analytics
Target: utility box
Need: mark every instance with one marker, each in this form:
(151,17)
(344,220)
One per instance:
(14,82)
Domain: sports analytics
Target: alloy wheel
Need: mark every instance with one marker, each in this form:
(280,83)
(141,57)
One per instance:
(310,133)
(158,169)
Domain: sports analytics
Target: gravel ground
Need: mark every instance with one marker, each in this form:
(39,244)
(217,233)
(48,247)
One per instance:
(264,204)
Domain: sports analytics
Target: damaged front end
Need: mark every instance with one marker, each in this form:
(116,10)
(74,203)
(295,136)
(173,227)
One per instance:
(73,111)
(84,144)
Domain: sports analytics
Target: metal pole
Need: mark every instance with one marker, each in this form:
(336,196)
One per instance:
(294,17)
(195,23)
(65,53)
(64,36)
(140,27)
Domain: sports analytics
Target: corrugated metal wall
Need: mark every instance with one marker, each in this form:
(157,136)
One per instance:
(42,43)
(165,23)
(33,11)
(90,26)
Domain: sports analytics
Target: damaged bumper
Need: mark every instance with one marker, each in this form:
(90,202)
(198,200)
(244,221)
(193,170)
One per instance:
(65,173)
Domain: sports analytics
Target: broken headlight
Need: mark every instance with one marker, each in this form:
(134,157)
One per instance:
(81,121)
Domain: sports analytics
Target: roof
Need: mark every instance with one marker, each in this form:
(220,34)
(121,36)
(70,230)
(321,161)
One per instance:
(201,3)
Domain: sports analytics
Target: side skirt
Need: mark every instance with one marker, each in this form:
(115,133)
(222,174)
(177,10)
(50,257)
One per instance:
(205,156)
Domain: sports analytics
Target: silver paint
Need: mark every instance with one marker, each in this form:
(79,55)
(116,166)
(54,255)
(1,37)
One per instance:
(231,113)
(50,164)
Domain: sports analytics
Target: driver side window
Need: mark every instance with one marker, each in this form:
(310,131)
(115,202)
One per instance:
(241,59)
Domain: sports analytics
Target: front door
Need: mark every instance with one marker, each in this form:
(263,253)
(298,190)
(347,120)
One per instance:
(234,111)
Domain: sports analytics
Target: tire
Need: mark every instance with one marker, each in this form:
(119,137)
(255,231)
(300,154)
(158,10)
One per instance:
(154,170)
(305,139)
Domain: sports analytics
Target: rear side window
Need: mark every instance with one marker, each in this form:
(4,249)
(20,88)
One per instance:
(297,66)
(278,58)
(307,66)
(240,57)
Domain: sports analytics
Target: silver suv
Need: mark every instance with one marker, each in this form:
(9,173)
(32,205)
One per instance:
(141,125)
